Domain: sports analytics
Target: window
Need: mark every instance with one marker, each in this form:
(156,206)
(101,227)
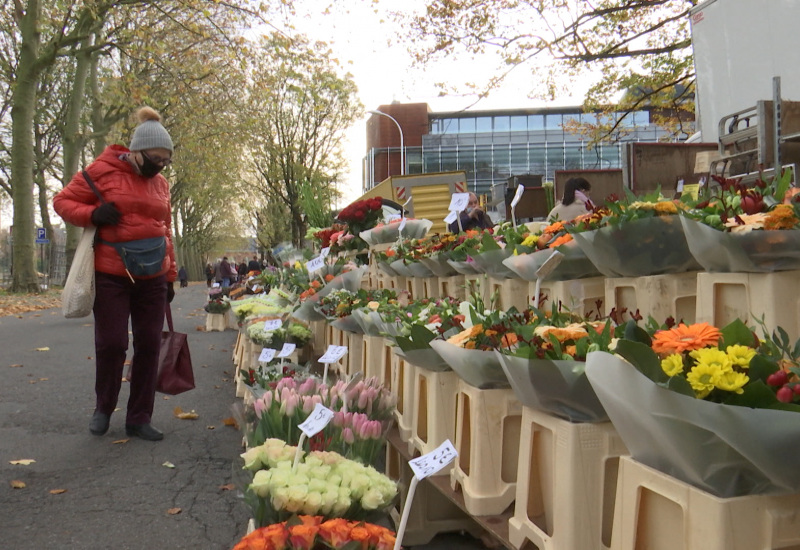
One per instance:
(589,118)
(641,118)
(436,126)
(572,158)
(414,160)
(449,125)
(552,122)
(501,159)
(449,160)
(483,124)
(430,158)
(570,119)
(555,158)
(501,124)
(466,125)
(519,123)
(519,160)
(535,122)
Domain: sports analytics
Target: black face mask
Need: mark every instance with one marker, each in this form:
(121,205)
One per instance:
(148,168)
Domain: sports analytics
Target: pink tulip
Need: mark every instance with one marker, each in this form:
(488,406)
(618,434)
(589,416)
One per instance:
(307,387)
(308,403)
(347,435)
(259,407)
(338,419)
(291,405)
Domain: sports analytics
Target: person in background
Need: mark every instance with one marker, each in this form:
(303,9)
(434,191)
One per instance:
(183,277)
(242,271)
(473,217)
(574,203)
(225,273)
(209,274)
(136,205)
(254,264)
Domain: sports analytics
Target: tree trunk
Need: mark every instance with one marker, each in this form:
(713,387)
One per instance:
(23,104)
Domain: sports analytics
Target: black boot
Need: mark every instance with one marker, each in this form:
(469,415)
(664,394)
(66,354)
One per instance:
(144,431)
(98,425)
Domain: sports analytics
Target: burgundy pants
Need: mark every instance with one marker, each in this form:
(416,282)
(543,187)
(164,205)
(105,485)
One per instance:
(144,302)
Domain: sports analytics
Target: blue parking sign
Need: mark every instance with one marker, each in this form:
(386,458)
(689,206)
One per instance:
(41,236)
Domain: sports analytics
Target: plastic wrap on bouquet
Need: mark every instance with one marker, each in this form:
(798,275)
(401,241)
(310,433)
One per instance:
(372,324)
(387,268)
(560,388)
(400,267)
(725,450)
(347,324)
(754,252)
(649,246)
(428,359)
(350,280)
(439,266)
(418,269)
(388,233)
(477,368)
(491,263)
(465,268)
(307,311)
(575,265)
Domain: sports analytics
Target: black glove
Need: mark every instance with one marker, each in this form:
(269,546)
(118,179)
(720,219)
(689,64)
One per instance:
(105,214)
(170,292)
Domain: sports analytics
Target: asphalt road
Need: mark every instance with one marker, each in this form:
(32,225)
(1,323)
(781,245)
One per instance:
(89,492)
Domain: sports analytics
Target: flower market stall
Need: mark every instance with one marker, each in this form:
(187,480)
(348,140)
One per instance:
(574,407)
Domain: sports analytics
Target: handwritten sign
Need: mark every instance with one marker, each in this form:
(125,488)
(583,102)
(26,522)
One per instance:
(316,421)
(287,349)
(402,225)
(333,354)
(324,252)
(459,202)
(272,324)
(267,355)
(517,195)
(451,217)
(429,464)
(315,264)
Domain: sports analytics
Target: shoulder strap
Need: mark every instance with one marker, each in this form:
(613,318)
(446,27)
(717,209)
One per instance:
(169,318)
(89,180)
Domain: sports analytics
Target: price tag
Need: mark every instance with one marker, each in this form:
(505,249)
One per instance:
(333,354)
(287,349)
(316,421)
(459,202)
(272,324)
(517,195)
(314,264)
(324,252)
(267,355)
(451,217)
(251,277)
(429,464)
(256,288)
(679,187)
(215,285)
(402,225)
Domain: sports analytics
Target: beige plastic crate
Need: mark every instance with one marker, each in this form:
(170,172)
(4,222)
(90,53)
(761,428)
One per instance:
(216,321)
(402,386)
(434,416)
(452,286)
(566,483)
(354,360)
(487,441)
(319,330)
(723,297)
(510,292)
(387,357)
(659,296)
(415,287)
(431,287)
(477,283)
(238,348)
(658,512)
(373,347)
(578,295)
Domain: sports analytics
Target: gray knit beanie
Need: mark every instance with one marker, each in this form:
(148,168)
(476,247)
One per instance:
(150,134)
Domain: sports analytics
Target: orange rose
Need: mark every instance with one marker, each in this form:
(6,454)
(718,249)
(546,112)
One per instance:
(276,536)
(328,278)
(335,532)
(360,534)
(315,284)
(563,239)
(302,536)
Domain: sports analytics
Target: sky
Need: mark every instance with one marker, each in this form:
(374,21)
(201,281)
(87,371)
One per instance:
(360,39)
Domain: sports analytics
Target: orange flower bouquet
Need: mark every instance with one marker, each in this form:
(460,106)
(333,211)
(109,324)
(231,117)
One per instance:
(716,408)
(312,533)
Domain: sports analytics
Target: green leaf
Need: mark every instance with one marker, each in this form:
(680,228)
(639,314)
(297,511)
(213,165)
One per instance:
(756,394)
(488,242)
(680,384)
(635,333)
(643,358)
(760,368)
(737,333)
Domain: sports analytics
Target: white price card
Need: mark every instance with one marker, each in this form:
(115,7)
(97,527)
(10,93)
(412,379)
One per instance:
(215,285)
(517,195)
(429,464)
(256,288)
(324,252)
(314,264)
(451,217)
(402,225)
(267,355)
(316,421)
(333,354)
(287,349)
(459,202)
(272,324)
(251,277)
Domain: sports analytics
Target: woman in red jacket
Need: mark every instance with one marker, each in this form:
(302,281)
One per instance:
(135,207)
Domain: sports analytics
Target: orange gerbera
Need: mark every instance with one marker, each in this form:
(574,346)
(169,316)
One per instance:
(574,331)
(463,337)
(685,338)
(563,239)
(554,227)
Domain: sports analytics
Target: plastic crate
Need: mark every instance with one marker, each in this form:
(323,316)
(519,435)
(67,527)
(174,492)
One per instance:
(372,354)
(487,441)
(566,483)
(452,286)
(578,295)
(216,321)
(402,386)
(431,287)
(354,360)
(658,512)
(434,415)
(415,287)
(510,292)
(660,296)
(385,368)
(319,341)
(477,284)
(723,297)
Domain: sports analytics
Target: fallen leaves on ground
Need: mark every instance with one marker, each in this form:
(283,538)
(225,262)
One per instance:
(15,304)
(17,484)
(120,441)
(211,427)
(42,349)
(179,413)
(22,462)
(17,366)
(200,328)
(168,464)
(173,511)
(228,487)
(230,421)
(57,491)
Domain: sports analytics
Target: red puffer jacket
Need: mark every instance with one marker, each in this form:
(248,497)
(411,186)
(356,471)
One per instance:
(144,205)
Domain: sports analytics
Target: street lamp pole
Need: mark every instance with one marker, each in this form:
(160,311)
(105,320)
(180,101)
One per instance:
(402,148)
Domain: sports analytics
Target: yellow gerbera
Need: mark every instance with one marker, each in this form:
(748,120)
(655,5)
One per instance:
(672,365)
(732,381)
(740,356)
(703,378)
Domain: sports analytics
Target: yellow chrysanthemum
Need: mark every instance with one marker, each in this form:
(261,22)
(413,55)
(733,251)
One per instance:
(666,207)
(703,378)
(714,357)
(740,356)
(530,240)
(640,205)
(672,365)
(732,381)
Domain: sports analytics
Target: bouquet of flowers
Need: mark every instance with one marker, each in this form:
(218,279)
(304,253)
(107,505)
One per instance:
(322,483)
(638,237)
(425,321)
(218,305)
(294,332)
(747,229)
(722,410)
(390,232)
(314,533)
